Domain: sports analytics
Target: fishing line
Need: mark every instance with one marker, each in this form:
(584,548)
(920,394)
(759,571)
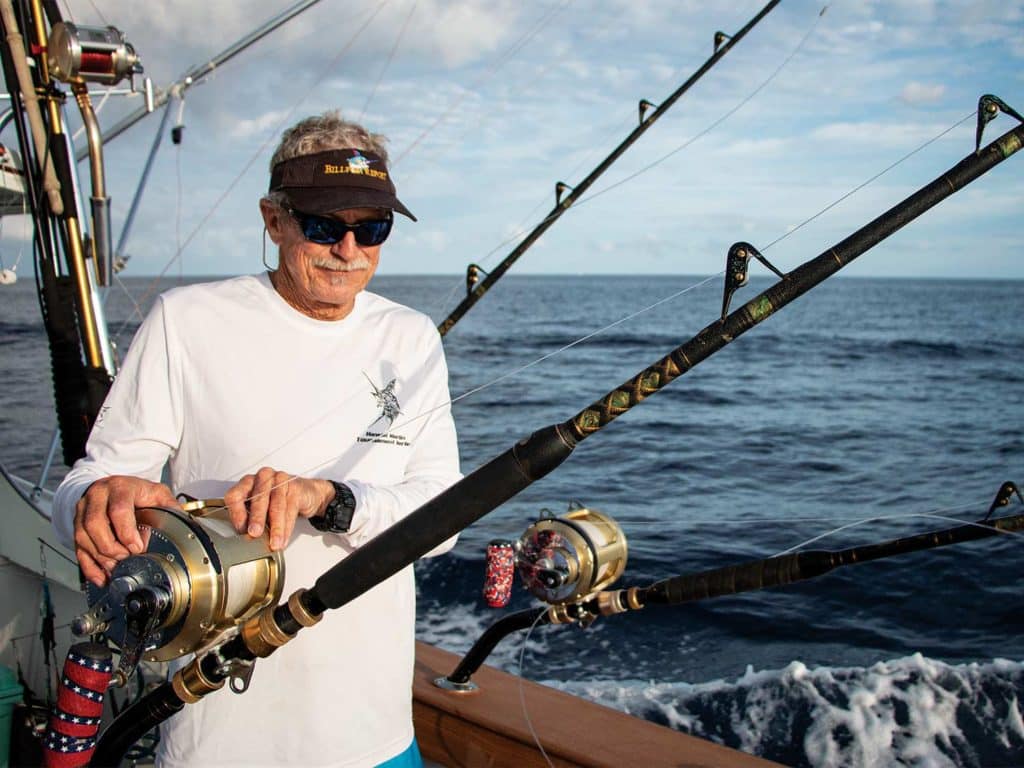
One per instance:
(789,232)
(632,315)
(52,548)
(464,395)
(621,320)
(572,344)
(860,186)
(707,280)
(492,114)
(677,294)
(487,75)
(743,102)
(717,122)
(671,297)
(270,138)
(941,513)
(522,691)
(99,13)
(127,292)
(523,226)
(391,56)
(877,518)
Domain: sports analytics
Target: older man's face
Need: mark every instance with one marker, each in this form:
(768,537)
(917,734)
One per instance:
(321,280)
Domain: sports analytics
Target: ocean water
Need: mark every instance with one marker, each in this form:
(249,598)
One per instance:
(881,407)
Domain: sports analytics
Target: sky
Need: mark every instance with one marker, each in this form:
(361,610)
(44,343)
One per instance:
(488,103)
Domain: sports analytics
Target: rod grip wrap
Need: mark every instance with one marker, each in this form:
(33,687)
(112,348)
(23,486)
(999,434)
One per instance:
(746,577)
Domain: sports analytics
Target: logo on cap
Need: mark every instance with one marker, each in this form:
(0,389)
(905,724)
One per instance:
(357,164)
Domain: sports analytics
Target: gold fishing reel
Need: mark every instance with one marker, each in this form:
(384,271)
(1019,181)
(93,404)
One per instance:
(565,559)
(196,582)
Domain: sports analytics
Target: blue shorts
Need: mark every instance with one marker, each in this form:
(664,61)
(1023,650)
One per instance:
(408,759)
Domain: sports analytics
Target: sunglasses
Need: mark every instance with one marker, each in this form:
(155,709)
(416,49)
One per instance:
(327,231)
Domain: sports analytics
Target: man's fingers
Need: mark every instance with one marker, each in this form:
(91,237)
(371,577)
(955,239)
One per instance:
(267,501)
(162,497)
(259,500)
(96,524)
(106,528)
(90,569)
(235,499)
(279,515)
(121,509)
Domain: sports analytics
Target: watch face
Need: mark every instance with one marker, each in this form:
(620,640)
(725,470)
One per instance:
(338,515)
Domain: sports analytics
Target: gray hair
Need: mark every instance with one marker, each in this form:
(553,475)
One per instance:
(319,133)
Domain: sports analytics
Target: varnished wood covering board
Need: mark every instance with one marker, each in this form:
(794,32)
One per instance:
(487,728)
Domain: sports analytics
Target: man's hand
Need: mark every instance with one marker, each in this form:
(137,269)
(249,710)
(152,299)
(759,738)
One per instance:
(105,527)
(275,499)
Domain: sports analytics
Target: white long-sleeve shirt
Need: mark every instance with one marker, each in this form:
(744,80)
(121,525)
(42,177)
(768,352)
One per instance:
(224,378)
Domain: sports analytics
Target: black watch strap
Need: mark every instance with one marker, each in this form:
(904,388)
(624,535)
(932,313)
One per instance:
(337,517)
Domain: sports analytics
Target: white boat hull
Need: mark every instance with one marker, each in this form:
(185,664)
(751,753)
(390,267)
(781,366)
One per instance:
(30,554)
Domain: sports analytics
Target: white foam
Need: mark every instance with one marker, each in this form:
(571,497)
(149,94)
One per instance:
(910,711)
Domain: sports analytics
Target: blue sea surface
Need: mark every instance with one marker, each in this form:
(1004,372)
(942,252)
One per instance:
(868,409)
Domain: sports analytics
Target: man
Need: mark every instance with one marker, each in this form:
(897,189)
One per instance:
(320,413)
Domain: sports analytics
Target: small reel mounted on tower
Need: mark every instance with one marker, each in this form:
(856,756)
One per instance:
(560,560)
(78,54)
(197,580)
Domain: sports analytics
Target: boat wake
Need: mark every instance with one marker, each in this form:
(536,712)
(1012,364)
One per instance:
(907,711)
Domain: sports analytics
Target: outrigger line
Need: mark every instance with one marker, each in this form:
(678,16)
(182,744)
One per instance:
(750,576)
(476,288)
(503,477)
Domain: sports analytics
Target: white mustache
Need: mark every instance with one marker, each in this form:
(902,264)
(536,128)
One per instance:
(336,265)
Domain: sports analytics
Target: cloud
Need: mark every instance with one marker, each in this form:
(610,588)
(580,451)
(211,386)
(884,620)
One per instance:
(461,32)
(510,97)
(756,147)
(258,126)
(922,93)
(875,133)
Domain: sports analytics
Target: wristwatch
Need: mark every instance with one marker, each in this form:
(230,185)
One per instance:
(337,517)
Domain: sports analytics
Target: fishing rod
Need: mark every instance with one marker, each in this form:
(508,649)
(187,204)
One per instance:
(72,249)
(262,627)
(753,575)
(198,73)
(476,288)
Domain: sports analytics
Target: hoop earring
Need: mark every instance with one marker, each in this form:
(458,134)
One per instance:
(269,268)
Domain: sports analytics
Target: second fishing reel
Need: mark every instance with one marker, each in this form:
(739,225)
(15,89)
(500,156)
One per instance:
(196,582)
(560,560)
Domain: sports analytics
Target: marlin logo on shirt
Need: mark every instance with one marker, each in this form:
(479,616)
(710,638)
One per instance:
(387,401)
